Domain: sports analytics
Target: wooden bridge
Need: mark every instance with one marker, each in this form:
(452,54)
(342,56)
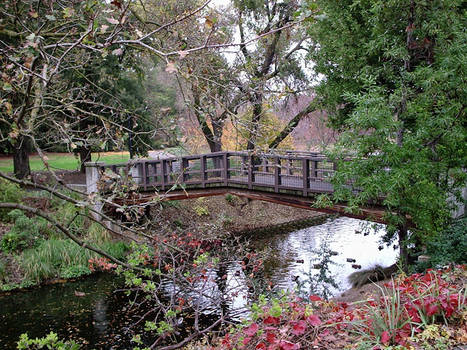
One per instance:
(289,178)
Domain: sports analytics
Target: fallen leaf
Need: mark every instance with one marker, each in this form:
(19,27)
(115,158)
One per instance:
(170,68)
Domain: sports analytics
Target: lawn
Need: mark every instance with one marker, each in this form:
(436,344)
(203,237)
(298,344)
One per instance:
(68,161)
(64,161)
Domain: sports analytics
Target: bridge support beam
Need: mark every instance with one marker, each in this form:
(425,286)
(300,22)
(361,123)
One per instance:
(92,180)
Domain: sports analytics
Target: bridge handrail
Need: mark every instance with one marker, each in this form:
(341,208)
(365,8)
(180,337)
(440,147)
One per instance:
(279,172)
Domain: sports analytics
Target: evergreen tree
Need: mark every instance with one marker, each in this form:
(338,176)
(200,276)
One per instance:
(394,84)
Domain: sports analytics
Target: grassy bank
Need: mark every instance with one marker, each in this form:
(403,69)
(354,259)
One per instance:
(33,252)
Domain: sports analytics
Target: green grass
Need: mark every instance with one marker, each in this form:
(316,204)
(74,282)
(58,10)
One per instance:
(67,161)
(64,161)
(63,258)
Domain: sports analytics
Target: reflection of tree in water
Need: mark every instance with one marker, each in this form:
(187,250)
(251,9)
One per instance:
(100,316)
(322,282)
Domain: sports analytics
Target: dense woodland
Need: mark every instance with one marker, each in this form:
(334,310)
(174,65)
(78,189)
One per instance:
(380,82)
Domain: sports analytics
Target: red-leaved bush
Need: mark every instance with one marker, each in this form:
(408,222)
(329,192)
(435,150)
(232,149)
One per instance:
(407,306)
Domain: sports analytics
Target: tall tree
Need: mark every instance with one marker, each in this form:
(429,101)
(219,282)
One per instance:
(394,83)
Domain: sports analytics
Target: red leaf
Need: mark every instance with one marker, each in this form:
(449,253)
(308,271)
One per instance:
(314,320)
(246,340)
(385,337)
(286,345)
(271,320)
(270,338)
(251,330)
(299,328)
(315,298)
(431,309)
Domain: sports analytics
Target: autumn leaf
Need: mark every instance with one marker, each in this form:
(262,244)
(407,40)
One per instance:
(251,330)
(385,337)
(112,20)
(208,22)
(315,298)
(170,67)
(299,328)
(314,320)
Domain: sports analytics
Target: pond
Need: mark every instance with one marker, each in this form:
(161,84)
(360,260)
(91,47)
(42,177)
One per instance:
(89,311)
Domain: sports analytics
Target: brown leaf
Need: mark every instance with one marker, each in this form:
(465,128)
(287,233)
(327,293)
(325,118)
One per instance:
(171,68)
(112,20)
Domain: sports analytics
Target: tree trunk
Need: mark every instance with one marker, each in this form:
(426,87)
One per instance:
(21,158)
(84,157)
(257,114)
(403,250)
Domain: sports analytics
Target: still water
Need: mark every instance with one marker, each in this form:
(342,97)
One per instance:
(90,312)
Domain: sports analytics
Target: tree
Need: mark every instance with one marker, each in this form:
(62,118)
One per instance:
(41,43)
(394,84)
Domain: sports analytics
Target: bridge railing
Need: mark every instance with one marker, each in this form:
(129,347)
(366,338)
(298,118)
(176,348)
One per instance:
(303,172)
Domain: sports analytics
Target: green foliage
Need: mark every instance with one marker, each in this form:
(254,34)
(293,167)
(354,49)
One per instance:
(201,210)
(63,258)
(9,193)
(50,341)
(448,247)
(394,85)
(3,272)
(24,233)
(229,198)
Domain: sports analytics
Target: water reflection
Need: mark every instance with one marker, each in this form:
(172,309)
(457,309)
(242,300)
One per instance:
(98,317)
(294,254)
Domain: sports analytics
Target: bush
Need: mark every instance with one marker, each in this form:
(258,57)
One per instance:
(24,233)
(50,341)
(448,247)
(9,192)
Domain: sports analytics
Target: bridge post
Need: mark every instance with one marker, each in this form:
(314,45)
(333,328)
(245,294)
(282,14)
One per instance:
(163,174)
(145,177)
(92,179)
(306,175)
(225,168)
(184,169)
(251,175)
(135,172)
(277,174)
(203,170)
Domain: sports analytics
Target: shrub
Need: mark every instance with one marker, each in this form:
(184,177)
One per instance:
(24,233)
(229,198)
(448,247)
(50,341)
(9,192)
(201,210)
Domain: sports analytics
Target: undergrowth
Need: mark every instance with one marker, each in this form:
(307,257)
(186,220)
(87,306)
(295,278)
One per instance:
(63,258)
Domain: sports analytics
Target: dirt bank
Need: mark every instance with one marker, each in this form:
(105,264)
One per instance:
(232,213)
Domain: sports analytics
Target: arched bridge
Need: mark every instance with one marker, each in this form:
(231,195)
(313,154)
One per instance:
(289,178)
